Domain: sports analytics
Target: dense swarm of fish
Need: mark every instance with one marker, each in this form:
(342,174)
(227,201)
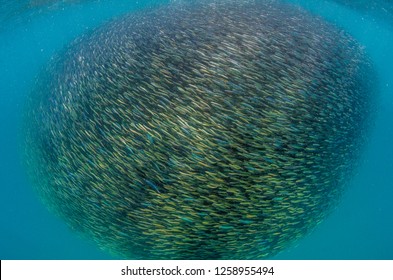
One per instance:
(222,130)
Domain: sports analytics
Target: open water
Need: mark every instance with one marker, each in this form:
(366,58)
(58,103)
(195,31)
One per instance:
(31,32)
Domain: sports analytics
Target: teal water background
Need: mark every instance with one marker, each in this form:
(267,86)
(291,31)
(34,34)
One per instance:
(360,228)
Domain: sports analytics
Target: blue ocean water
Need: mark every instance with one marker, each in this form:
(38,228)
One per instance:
(360,228)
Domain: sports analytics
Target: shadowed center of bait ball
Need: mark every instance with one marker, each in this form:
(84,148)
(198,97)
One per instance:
(199,131)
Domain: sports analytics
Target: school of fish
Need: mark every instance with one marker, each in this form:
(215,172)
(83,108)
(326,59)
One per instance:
(209,130)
